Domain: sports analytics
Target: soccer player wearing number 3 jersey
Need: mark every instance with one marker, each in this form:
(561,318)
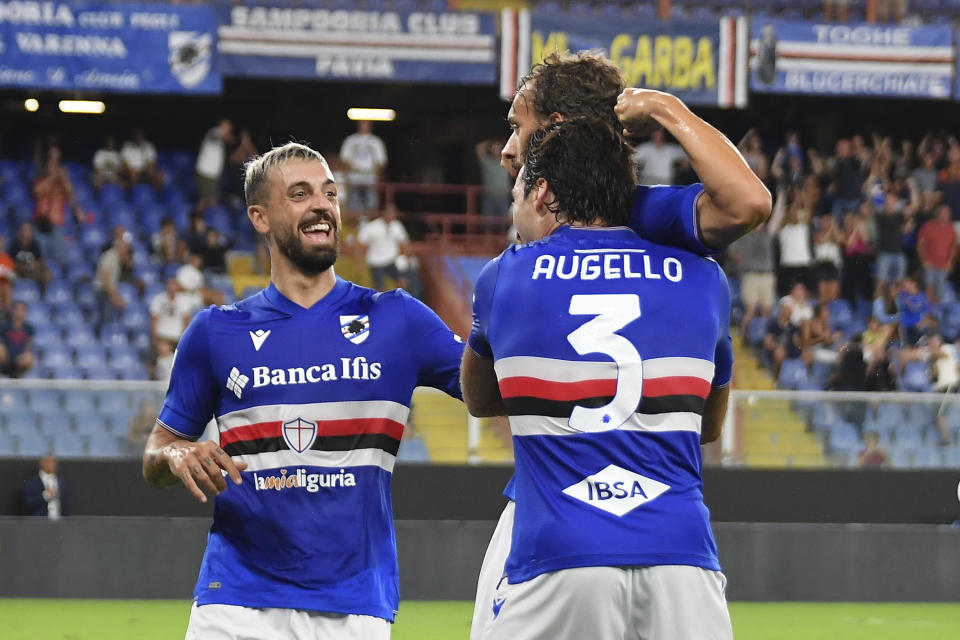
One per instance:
(310,383)
(613,371)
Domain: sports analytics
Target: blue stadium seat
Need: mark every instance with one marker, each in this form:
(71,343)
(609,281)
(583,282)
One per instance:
(56,356)
(413,450)
(908,435)
(98,372)
(134,371)
(151,290)
(17,191)
(80,335)
(148,273)
(69,445)
(66,372)
(33,445)
(89,355)
(885,419)
(110,402)
(45,399)
(140,338)
(89,423)
(110,194)
(915,377)
(37,372)
(78,400)
(38,313)
(926,457)
(122,355)
(8,447)
(58,292)
(26,290)
(841,314)
(105,445)
(12,399)
(843,438)
(792,372)
(142,195)
(112,334)
(20,420)
(128,291)
(53,423)
(55,268)
(69,315)
(135,317)
(122,214)
(93,237)
(79,271)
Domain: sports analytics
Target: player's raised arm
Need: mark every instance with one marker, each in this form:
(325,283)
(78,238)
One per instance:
(168,459)
(734,199)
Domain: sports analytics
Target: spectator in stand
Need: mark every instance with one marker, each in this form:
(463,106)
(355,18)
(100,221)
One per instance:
(214,251)
(384,239)
(752,255)
(943,364)
(43,493)
(784,337)
(107,164)
(890,225)
(846,180)
(53,200)
(851,375)
(211,161)
(886,306)
(796,258)
(828,258)
(141,424)
(925,176)
(914,309)
(937,249)
(170,312)
(240,152)
(836,10)
(196,236)
(16,343)
(409,267)
(891,11)
(7,276)
(818,339)
(166,245)
(495,201)
(858,255)
(872,455)
(751,148)
(948,181)
(28,256)
(787,167)
(163,364)
(877,339)
(193,284)
(140,160)
(110,271)
(365,157)
(657,159)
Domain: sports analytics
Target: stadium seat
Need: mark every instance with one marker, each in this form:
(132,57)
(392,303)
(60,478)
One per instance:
(135,317)
(70,316)
(841,314)
(843,439)
(32,445)
(79,271)
(26,290)
(20,420)
(69,445)
(122,214)
(93,237)
(413,450)
(98,372)
(90,422)
(133,371)
(128,291)
(12,399)
(908,435)
(8,447)
(150,275)
(142,195)
(112,334)
(56,356)
(792,372)
(110,194)
(80,335)
(89,355)
(915,377)
(47,335)
(110,402)
(105,445)
(921,414)
(54,423)
(58,292)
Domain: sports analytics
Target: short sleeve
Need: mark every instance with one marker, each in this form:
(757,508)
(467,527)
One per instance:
(482,301)
(436,349)
(667,215)
(723,355)
(193,392)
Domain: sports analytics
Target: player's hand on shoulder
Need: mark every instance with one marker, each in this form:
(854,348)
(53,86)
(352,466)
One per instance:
(635,109)
(200,466)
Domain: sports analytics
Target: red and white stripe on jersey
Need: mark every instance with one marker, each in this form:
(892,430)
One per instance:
(539,392)
(349,434)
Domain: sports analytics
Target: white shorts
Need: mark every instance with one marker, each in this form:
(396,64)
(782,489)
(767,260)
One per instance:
(668,602)
(230,622)
(492,571)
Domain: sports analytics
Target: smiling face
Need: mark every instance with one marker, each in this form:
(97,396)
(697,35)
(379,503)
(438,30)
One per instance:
(301,215)
(523,121)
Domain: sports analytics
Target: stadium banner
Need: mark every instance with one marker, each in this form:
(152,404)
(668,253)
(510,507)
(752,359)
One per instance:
(108,46)
(402,46)
(701,62)
(851,59)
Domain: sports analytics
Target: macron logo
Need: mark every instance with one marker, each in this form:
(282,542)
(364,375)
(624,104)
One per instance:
(237,382)
(259,337)
(616,490)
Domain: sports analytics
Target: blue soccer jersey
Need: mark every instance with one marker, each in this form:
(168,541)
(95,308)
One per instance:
(605,347)
(314,401)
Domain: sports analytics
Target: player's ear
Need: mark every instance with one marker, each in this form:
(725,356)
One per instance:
(258,218)
(555,117)
(543,196)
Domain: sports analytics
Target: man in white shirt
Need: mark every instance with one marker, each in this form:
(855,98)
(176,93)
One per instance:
(140,160)
(365,157)
(107,163)
(170,312)
(42,492)
(656,159)
(384,238)
(211,160)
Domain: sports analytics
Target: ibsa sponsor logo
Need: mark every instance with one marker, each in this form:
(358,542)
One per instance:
(357,368)
(616,490)
(300,479)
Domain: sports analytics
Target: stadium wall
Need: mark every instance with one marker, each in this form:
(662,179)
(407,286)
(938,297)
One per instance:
(435,492)
(117,557)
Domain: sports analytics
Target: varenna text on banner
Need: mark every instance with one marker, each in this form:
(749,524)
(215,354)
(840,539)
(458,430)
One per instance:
(108,46)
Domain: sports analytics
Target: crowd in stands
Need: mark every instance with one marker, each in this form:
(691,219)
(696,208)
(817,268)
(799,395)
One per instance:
(851,284)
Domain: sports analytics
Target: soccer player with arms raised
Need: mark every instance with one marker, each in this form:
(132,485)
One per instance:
(613,372)
(703,218)
(310,383)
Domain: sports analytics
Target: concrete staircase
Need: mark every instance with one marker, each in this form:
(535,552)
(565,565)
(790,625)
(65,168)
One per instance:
(772,434)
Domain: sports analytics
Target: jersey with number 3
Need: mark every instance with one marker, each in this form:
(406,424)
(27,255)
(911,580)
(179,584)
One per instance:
(605,347)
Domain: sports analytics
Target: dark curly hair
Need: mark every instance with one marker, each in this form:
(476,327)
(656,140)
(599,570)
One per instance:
(588,167)
(575,85)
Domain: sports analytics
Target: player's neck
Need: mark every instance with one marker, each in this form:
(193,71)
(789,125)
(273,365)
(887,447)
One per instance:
(302,289)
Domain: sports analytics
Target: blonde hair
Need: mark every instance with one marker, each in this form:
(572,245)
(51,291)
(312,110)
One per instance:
(256,169)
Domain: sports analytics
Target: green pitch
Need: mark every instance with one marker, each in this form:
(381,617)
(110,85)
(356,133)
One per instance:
(22,619)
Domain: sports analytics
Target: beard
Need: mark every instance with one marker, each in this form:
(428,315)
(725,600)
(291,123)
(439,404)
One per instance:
(313,260)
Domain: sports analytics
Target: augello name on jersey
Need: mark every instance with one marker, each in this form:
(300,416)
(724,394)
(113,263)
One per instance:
(312,482)
(606,265)
(347,369)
